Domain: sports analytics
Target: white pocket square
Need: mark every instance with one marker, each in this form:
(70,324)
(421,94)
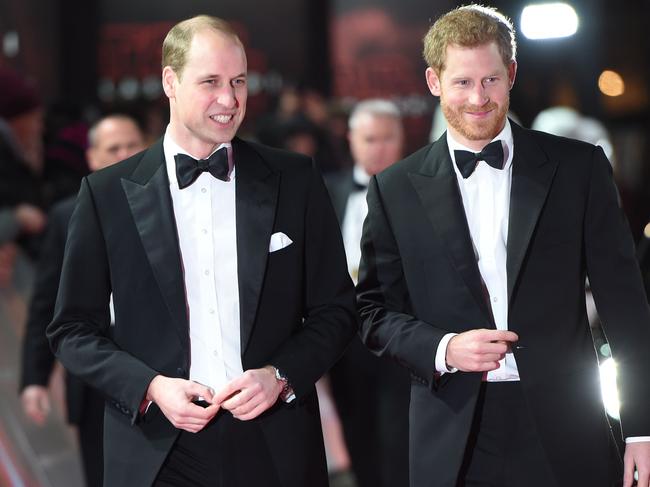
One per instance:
(279,241)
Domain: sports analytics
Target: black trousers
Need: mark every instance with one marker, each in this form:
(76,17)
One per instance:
(90,431)
(226,453)
(504,448)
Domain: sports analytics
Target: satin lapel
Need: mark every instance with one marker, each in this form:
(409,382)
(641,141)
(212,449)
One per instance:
(438,191)
(532,173)
(257,189)
(147,192)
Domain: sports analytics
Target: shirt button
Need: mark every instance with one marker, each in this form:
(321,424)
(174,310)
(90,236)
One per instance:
(215,353)
(211,311)
(495,299)
(206,272)
(203,190)
(204,231)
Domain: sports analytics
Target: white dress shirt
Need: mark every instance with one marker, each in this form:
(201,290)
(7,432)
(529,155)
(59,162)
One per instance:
(356,210)
(486,199)
(207,236)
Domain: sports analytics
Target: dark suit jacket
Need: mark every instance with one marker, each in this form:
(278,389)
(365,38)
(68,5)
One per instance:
(296,304)
(340,185)
(37,358)
(419,280)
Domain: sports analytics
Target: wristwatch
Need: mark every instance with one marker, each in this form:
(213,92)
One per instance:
(287,394)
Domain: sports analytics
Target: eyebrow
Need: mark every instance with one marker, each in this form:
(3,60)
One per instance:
(208,75)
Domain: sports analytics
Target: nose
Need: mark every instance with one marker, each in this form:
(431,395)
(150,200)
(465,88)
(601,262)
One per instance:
(226,96)
(478,96)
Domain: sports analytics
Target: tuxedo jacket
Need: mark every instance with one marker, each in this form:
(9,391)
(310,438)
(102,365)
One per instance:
(419,280)
(296,304)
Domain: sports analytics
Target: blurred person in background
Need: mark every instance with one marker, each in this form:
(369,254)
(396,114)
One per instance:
(111,139)
(22,203)
(371,394)
(474,257)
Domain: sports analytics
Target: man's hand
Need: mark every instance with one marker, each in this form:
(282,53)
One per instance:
(479,350)
(174,398)
(36,403)
(637,455)
(249,395)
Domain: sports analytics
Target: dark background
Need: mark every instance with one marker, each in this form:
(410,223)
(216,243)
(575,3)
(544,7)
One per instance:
(107,53)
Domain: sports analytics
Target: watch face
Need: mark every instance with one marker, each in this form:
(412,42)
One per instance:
(279,375)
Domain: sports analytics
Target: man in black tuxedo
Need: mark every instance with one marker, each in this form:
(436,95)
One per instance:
(229,305)
(474,258)
(371,393)
(110,140)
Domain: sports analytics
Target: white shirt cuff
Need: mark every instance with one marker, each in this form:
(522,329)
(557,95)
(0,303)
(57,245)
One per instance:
(636,439)
(441,355)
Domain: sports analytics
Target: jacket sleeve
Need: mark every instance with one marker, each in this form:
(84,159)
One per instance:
(79,333)
(387,323)
(617,287)
(330,318)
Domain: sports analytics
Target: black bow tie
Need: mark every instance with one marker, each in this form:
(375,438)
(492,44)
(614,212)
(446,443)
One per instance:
(467,161)
(188,168)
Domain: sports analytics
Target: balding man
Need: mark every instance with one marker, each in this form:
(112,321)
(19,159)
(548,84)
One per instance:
(227,272)
(371,394)
(111,139)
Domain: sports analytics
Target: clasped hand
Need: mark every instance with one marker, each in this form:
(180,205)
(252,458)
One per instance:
(246,397)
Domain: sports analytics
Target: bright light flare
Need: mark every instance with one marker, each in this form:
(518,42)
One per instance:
(608,387)
(549,21)
(611,83)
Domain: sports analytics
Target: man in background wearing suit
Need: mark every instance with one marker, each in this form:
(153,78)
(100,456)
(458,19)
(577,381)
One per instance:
(474,258)
(228,278)
(371,394)
(110,140)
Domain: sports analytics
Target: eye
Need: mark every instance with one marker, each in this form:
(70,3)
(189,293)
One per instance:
(491,79)
(462,82)
(209,81)
(239,82)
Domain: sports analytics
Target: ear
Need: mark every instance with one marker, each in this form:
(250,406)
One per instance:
(169,81)
(512,73)
(433,81)
(91,158)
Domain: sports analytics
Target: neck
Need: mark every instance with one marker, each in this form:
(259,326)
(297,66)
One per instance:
(194,146)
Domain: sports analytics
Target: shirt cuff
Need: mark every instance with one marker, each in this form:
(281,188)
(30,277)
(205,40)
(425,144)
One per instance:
(144,407)
(636,439)
(441,355)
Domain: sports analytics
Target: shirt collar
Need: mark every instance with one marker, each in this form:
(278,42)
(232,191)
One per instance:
(360,176)
(505,136)
(171,148)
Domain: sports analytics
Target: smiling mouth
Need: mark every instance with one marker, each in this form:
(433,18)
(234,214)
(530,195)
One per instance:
(223,119)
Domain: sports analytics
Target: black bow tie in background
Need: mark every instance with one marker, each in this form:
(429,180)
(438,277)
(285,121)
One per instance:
(188,168)
(467,161)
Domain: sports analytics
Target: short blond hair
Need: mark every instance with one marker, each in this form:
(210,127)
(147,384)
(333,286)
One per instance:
(469,26)
(178,40)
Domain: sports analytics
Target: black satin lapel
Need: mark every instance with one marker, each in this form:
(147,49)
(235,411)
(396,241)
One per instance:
(152,211)
(256,200)
(532,173)
(438,191)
